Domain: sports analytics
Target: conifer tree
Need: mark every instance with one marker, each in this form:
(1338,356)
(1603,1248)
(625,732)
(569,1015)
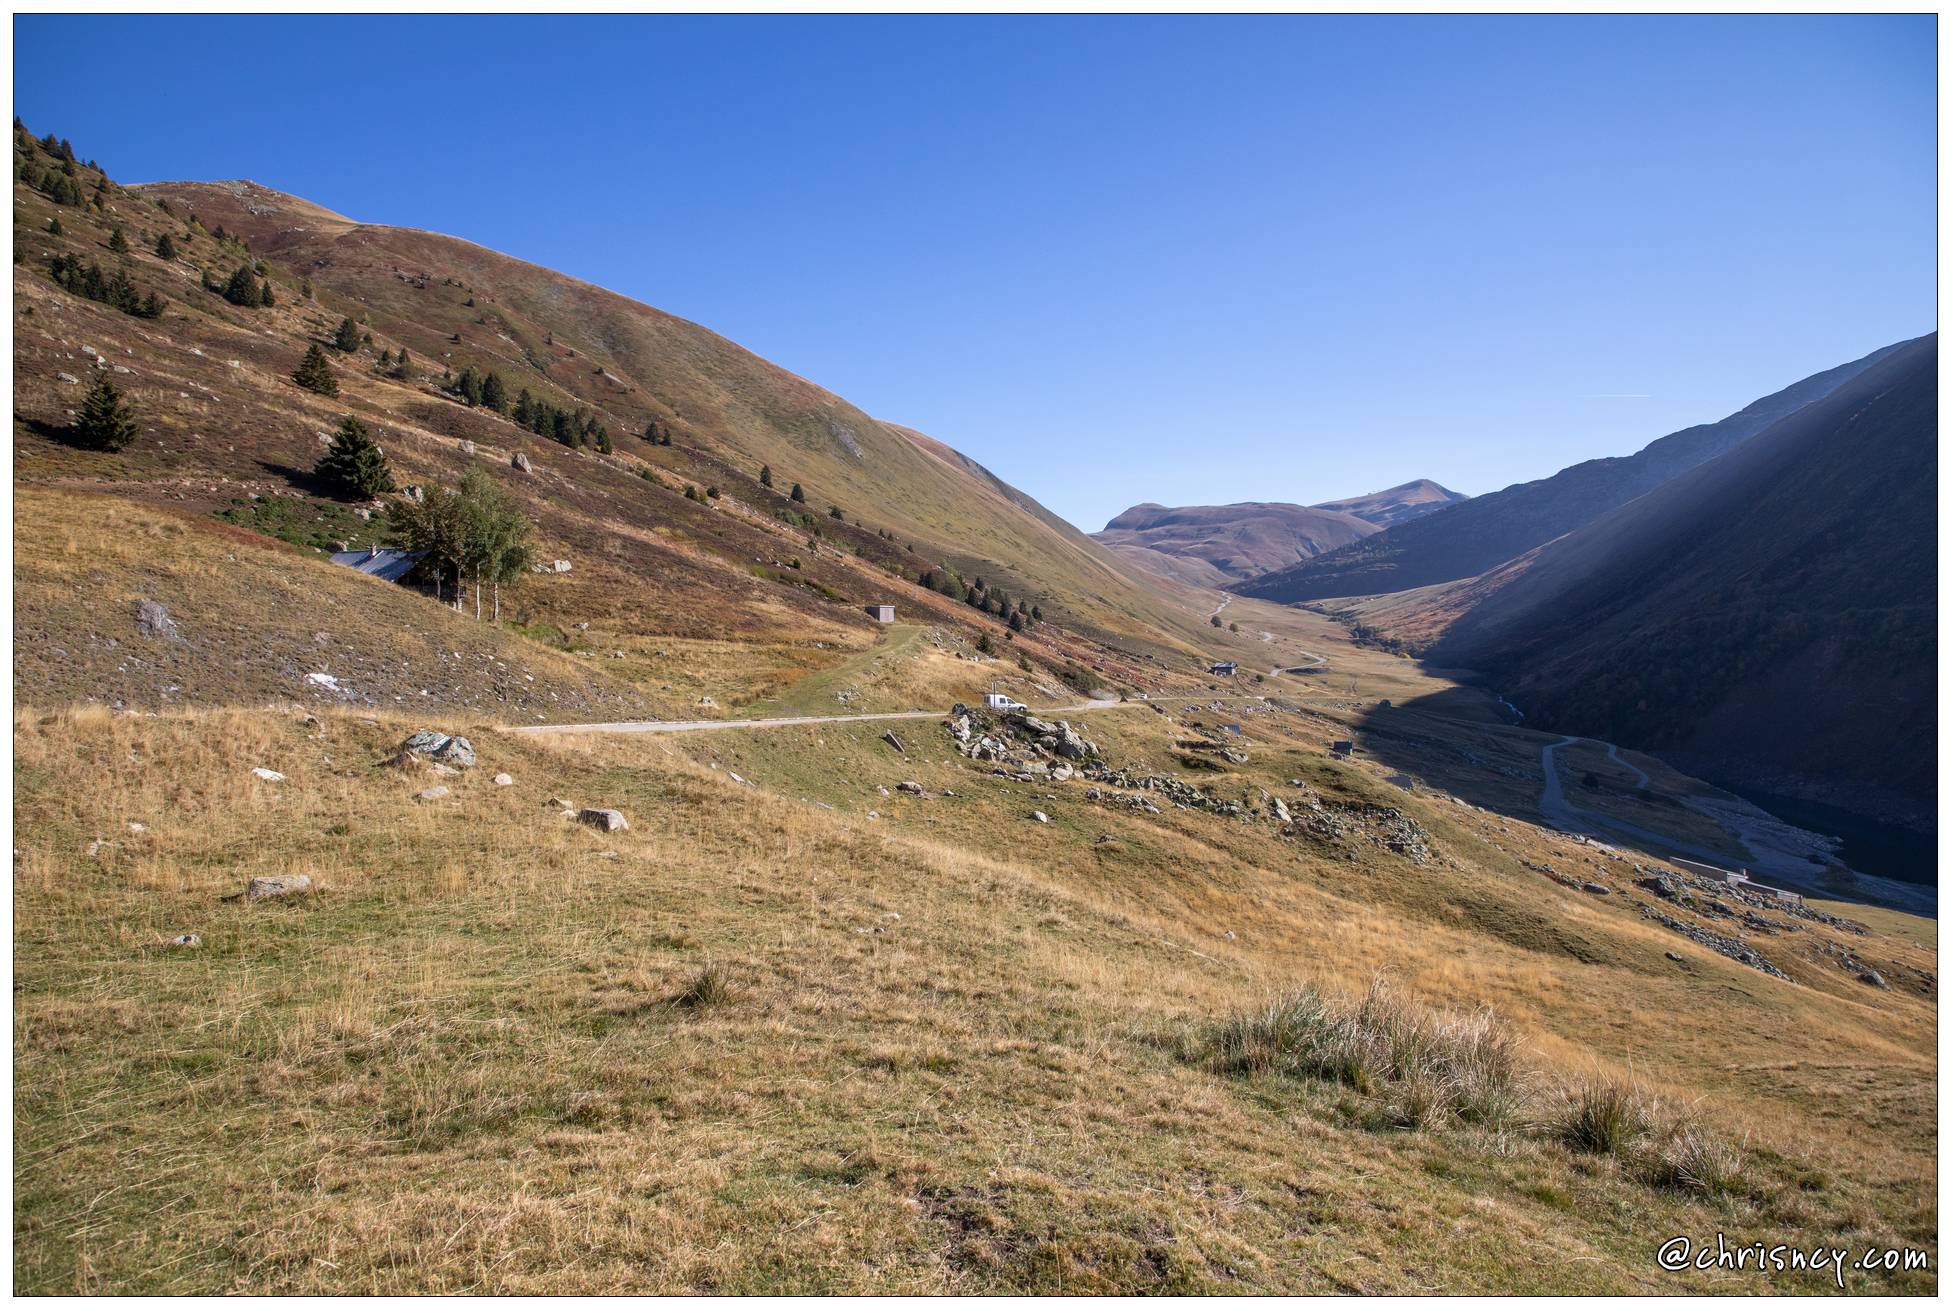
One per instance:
(354,467)
(402,364)
(265,296)
(242,289)
(305,288)
(314,374)
(105,423)
(347,337)
(765,475)
(799,493)
(54,226)
(165,248)
(494,394)
(118,241)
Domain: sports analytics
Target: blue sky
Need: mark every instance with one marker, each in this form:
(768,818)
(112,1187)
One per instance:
(1120,260)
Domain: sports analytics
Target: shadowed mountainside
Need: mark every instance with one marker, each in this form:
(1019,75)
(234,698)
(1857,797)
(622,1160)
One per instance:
(1768,619)
(1484,532)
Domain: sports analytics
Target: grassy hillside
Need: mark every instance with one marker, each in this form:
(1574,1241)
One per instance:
(790,1034)
(459,305)
(736,594)
(1771,616)
(1466,539)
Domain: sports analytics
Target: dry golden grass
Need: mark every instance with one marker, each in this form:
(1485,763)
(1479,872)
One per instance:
(948,1058)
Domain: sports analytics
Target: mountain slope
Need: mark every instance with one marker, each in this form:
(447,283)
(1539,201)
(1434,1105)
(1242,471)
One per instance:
(1385,509)
(1770,617)
(730,411)
(1484,532)
(1215,544)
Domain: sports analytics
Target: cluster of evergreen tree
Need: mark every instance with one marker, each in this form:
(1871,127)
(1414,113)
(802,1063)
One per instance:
(88,280)
(979,595)
(475,532)
(658,434)
(398,366)
(574,429)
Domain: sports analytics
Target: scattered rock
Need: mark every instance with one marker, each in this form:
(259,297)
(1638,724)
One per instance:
(440,747)
(138,827)
(1597,889)
(1873,978)
(521,463)
(289,884)
(1038,816)
(267,775)
(152,620)
(895,742)
(912,788)
(1676,957)
(503,780)
(433,794)
(188,939)
(607,820)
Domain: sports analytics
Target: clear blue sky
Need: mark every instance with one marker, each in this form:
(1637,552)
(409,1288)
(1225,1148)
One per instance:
(1120,260)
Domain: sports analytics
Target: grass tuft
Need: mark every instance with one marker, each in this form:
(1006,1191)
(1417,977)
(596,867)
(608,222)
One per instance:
(712,986)
(1603,1116)
(1419,1068)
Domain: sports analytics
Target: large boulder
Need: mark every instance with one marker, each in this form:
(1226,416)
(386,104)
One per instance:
(441,748)
(1071,746)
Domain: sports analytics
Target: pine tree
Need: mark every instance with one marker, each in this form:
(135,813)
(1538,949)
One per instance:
(305,288)
(402,364)
(354,467)
(242,289)
(765,475)
(469,386)
(494,394)
(105,422)
(265,296)
(524,408)
(54,226)
(603,443)
(118,241)
(799,493)
(314,374)
(165,248)
(347,337)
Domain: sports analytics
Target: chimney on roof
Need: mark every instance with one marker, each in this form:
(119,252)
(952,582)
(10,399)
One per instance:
(372,552)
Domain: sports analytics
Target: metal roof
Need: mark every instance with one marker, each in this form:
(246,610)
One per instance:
(388,563)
